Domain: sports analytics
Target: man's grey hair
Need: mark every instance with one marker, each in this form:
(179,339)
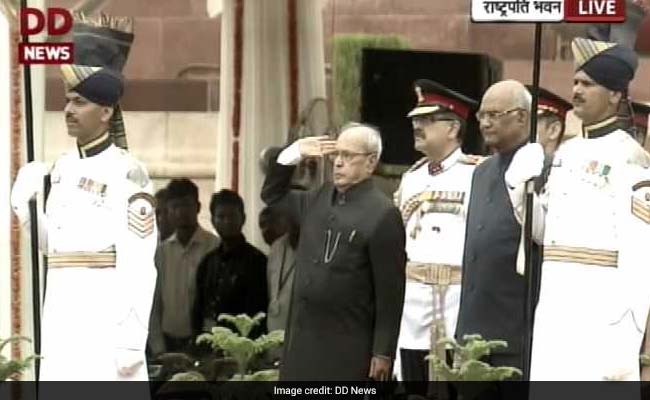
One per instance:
(523,98)
(372,136)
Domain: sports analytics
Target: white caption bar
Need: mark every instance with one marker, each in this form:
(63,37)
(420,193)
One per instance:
(517,10)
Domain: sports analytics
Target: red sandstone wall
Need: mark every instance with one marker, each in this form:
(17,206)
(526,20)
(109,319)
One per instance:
(174,34)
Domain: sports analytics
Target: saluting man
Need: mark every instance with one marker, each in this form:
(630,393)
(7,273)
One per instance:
(593,216)
(432,198)
(348,286)
(99,229)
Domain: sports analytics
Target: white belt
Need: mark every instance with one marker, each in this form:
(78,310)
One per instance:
(82,259)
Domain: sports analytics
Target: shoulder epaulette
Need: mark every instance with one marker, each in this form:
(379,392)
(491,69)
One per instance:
(138,174)
(637,154)
(397,195)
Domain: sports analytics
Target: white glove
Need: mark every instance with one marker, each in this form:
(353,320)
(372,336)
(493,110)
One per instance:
(527,164)
(29,182)
(128,362)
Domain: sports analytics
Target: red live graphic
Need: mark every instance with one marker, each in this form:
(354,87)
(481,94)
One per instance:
(55,22)
(594,10)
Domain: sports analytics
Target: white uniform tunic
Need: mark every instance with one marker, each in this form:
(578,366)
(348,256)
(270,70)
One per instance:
(435,234)
(591,314)
(94,316)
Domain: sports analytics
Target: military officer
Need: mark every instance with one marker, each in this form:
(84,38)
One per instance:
(432,198)
(99,231)
(592,216)
(551,115)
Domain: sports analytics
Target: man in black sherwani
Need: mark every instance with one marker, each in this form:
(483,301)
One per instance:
(349,283)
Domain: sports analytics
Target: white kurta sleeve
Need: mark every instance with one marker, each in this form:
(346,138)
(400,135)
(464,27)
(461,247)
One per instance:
(135,249)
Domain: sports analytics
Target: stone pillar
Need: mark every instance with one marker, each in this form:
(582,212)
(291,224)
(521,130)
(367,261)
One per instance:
(16,291)
(5,168)
(272,65)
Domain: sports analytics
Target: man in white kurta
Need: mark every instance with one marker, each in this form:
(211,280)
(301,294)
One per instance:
(432,198)
(592,216)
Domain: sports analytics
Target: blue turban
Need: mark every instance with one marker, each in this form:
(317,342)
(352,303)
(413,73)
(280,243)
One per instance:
(609,64)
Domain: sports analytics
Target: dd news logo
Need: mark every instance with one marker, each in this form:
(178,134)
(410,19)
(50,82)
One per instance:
(56,22)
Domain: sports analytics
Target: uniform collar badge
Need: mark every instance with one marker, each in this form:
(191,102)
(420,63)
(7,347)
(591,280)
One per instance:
(434,168)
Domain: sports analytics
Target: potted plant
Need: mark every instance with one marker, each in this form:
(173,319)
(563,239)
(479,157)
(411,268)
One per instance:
(241,348)
(468,365)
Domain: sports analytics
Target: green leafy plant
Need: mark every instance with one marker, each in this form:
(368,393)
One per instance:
(468,366)
(263,375)
(9,368)
(240,347)
(243,322)
(190,376)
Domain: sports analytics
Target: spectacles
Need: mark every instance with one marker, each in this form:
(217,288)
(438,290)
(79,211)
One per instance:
(346,156)
(423,122)
(495,115)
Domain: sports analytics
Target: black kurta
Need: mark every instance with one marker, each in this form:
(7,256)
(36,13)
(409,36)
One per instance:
(492,294)
(348,290)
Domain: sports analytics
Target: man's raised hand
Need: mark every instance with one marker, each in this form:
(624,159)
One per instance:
(316,146)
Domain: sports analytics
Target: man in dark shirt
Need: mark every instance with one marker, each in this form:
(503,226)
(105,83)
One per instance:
(232,278)
(492,296)
(273,224)
(165,225)
(349,275)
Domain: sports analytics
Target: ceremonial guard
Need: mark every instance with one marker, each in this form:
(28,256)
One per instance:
(593,216)
(432,198)
(98,231)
